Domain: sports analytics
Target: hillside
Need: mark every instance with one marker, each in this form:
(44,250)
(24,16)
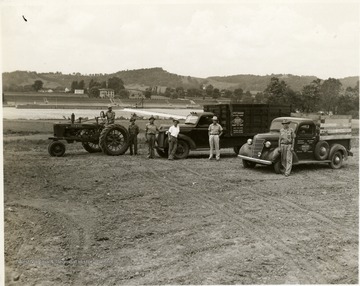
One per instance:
(158,77)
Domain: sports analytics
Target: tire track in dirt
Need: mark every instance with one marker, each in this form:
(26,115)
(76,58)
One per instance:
(79,237)
(290,205)
(282,250)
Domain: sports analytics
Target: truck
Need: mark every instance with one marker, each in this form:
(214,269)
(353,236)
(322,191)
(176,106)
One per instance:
(319,139)
(239,121)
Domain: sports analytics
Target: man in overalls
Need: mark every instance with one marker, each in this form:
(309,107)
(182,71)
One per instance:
(286,144)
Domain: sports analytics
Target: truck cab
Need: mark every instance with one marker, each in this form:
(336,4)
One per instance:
(313,144)
(193,135)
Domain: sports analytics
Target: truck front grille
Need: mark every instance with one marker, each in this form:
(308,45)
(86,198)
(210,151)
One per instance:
(258,146)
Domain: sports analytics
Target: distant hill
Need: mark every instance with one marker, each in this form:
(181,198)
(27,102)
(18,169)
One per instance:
(142,78)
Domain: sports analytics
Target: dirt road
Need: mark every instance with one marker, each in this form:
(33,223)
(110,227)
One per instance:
(91,219)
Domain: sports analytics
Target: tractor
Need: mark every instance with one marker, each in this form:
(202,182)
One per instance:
(98,136)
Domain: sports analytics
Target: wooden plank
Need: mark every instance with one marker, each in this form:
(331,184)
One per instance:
(329,125)
(332,137)
(334,131)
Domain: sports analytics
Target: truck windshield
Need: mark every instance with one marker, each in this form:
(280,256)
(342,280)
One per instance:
(191,119)
(276,125)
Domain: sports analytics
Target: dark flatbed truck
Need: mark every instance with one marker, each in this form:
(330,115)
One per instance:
(239,121)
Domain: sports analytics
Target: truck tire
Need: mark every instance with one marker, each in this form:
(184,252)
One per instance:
(237,149)
(182,150)
(56,149)
(248,164)
(91,147)
(321,151)
(336,160)
(163,153)
(279,168)
(114,140)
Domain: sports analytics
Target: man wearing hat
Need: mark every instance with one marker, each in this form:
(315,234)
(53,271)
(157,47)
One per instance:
(110,115)
(215,131)
(150,132)
(133,131)
(286,144)
(173,134)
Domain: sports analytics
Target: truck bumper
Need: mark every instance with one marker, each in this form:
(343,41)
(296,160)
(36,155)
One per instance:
(255,160)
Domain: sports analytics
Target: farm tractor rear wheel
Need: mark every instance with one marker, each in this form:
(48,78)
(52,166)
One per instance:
(114,140)
(91,147)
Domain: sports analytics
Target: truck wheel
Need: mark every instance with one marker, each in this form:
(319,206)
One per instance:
(336,160)
(182,150)
(114,140)
(56,149)
(248,164)
(279,168)
(162,153)
(91,147)
(321,151)
(237,149)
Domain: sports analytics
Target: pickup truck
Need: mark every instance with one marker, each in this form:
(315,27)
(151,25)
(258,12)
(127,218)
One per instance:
(320,140)
(239,121)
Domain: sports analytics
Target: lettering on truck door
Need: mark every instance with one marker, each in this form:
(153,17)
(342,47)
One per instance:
(305,141)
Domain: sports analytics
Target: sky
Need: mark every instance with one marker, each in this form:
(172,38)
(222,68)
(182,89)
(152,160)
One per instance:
(196,38)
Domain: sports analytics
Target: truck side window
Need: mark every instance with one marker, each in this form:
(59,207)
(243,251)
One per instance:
(306,130)
(205,121)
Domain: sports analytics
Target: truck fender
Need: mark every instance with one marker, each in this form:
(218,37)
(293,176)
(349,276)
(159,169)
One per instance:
(275,155)
(245,150)
(338,147)
(188,140)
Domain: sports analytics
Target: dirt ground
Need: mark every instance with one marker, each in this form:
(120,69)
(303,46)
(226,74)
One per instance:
(92,219)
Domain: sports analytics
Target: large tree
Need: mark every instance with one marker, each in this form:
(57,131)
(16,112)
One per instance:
(247,98)
(38,84)
(209,90)
(311,96)
(74,85)
(116,84)
(330,93)
(238,93)
(348,103)
(276,91)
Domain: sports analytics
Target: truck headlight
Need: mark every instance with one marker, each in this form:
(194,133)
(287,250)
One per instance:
(249,141)
(267,144)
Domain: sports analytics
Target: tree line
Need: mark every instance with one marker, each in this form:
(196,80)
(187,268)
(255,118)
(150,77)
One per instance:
(327,96)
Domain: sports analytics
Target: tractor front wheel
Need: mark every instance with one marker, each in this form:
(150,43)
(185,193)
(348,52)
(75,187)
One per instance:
(114,140)
(56,149)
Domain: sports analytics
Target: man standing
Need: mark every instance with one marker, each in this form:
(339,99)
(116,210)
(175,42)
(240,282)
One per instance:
(133,131)
(215,131)
(286,144)
(173,133)
(110,115)
(150,132)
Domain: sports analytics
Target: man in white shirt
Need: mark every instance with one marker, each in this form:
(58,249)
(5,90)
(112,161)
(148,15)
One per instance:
(173,134)
(215,131)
